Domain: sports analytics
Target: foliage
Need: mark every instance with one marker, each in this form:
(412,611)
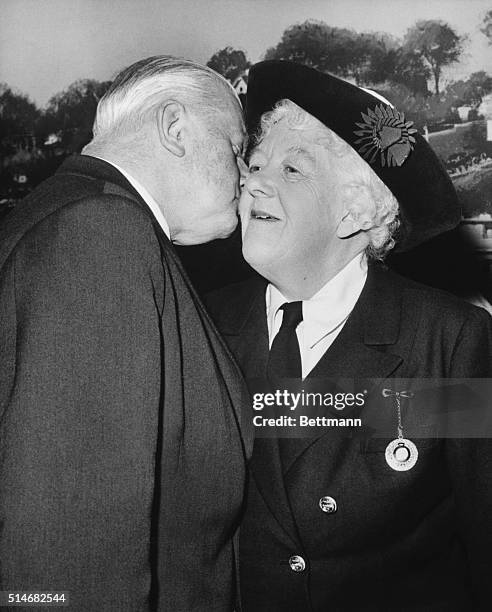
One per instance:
(18,115)
(367,58)
(481,84)
(229,62)
(24,129)
(370,58)
(410,70)
(19,118)
(423,110)
(475,139)
(470,92)
(486,28)
(475,191)
(435,42)
(329,49)
(71,112)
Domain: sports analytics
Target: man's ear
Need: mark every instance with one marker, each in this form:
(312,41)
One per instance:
(171,118)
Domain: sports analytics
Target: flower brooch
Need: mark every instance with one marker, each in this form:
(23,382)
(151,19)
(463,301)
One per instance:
(385,131)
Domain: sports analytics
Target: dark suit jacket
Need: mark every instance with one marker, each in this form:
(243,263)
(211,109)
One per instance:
(122,455)
(411,540)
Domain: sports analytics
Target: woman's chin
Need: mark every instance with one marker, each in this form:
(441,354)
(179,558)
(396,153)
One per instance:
(258,253)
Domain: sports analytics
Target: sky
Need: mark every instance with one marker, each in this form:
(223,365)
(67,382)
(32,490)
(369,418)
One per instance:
(47,44)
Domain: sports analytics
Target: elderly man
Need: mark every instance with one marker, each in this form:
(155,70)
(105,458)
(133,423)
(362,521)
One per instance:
(348,521)
(122,455)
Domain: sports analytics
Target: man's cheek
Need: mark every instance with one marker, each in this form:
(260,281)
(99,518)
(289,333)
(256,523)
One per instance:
(245,203)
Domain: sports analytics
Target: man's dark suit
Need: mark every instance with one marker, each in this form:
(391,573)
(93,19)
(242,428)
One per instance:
(398,540)
(122,454)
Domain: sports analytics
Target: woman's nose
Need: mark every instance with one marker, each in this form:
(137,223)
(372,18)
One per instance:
(259,185)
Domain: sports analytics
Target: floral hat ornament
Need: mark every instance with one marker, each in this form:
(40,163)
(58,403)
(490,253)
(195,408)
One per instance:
(386,132)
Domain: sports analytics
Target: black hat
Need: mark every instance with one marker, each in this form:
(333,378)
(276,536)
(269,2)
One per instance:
(379,133)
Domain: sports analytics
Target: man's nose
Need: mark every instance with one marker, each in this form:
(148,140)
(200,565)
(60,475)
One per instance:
(243,171)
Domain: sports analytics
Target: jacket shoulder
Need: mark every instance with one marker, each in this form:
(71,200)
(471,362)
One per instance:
(440,323)
(436,303)
(86,213)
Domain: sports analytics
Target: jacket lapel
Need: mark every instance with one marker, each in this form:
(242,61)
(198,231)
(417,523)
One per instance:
(245,327)
(267,470)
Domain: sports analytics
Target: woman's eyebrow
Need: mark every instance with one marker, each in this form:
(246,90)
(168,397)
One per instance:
(300,152)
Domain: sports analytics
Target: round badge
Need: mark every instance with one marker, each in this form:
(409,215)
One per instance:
(401,454)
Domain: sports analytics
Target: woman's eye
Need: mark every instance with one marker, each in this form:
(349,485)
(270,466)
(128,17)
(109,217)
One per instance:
(290,170)
(254,168)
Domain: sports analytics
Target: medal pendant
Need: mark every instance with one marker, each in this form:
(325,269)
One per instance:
(401,454)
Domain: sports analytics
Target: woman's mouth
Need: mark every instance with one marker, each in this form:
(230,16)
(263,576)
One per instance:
(262,215)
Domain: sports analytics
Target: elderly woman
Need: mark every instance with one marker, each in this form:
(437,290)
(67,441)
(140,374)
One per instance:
(400,521)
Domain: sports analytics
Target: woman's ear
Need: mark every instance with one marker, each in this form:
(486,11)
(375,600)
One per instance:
(354,222)
(171,119)
(358,215)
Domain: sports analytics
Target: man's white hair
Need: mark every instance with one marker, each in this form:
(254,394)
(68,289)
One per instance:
(357,177)
(138,90)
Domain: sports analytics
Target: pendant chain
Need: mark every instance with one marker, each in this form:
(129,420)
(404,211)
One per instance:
(397,395)
(400,425)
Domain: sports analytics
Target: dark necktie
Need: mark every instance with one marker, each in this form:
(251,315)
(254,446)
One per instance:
(284,360)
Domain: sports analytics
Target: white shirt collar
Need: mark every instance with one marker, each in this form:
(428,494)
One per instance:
(329,308)
(144,194)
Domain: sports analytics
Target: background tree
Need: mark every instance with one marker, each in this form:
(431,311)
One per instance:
(411,70)
(367,58)
(470,91)
(329,49)
(380,51)
(302,43)
(19,146)
(229,62)
(437,43)
(18,115)
(486,28)
(71,113)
